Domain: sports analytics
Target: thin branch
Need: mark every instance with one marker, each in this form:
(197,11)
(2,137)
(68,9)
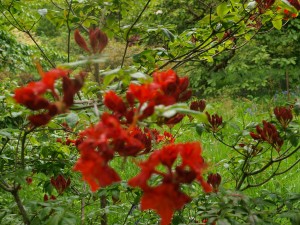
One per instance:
(22,29)
(15,193)
(5,143)
(282,172)
(69,29)
(5,186)
(130,28)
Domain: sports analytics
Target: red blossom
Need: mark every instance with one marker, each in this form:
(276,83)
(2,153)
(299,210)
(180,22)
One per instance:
(98,40)
(32,97)
(143,93)
(263,5)
(133,40)
(283,115)
(198,105)
(80,41)
(28,180)
(269,134)
(39,119)
(204,221)
(46,197)
(95,169)
(164,199)
(114,102)
(174,119)
(215,122)
(60,183)
(214,179)
(168,194)
(295,3)
(29,96)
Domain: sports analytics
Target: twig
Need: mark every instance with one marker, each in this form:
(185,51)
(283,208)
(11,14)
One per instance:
(130,28)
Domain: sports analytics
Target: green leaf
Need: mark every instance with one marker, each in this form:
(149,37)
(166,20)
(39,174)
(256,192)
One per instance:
(200,128)
(277,23)
(72,119)
(16,114)
(222,9)
(168,34)
(4,133)
(55,219)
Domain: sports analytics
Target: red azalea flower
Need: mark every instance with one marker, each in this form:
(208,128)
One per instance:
(60,183)
(295,3)
(49,78)
(198,105)
(39,119)
(31,95)
(215,121)
(80,41)
(263,5)
(114,102)
(283,115)
(269,134)
(143,93)
(168,194)
(98,40)
(164,199)
(214,179)
(28,180)
(95,170)
(46,198)
(174,119)
(71,87)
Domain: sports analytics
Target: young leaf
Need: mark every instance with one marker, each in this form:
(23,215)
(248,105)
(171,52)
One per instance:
(222,9)
(277,23)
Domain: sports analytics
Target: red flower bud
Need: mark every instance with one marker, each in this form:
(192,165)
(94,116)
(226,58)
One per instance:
(29,180)
(214,180)
(80,41)
(60,183)
(198,105)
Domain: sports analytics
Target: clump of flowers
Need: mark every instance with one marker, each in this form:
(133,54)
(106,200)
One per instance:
(215,122)
(269,134)
(167,197)
(118,133)
(60,183)
(33,95)
(214,179)
(284,115)
(98,41)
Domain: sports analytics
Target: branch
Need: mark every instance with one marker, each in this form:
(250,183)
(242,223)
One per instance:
(21,28)
(130,28)
(15,193)
(69,29)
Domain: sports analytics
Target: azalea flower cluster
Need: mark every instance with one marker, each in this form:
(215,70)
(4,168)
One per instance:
(166,89)
(33,95)
(284,115)
(269,134)
(215,122)
(98,41)
(60,183)
(119,134)
(166,197)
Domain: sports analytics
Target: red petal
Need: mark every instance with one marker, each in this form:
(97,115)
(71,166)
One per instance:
(95,170)
(80,41)
(164,199)
(40,119)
